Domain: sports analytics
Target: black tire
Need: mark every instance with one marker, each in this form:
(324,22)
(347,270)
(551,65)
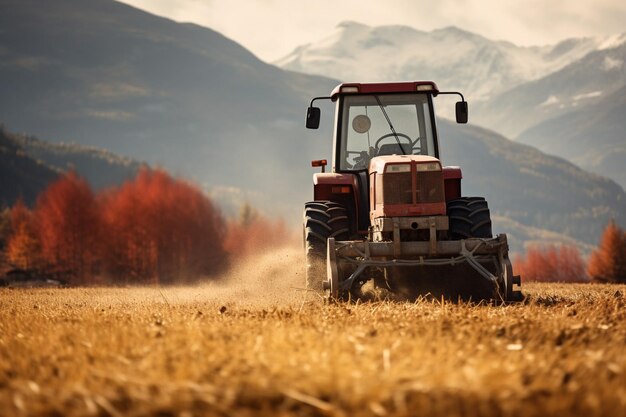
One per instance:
(322,219)
(469,217)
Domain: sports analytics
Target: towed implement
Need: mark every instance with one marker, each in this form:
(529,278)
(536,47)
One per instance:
(389,215)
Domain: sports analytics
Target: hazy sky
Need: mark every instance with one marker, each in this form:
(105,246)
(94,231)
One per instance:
(272,28)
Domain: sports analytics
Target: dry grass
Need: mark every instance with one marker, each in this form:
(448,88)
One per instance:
(204,351)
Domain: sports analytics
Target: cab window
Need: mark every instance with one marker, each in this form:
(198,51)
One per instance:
(366,131)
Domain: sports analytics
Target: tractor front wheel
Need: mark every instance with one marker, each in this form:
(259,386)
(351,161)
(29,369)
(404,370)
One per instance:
(322,220)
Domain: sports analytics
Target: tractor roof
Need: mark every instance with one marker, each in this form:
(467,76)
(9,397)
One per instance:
(398,87)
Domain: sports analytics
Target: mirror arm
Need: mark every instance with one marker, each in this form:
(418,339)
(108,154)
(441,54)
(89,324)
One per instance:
(450,92)
(319,98)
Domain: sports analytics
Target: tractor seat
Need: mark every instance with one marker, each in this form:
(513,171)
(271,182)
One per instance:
(394,149)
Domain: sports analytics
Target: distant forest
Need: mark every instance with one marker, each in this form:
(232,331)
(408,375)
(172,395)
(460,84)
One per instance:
(154,229)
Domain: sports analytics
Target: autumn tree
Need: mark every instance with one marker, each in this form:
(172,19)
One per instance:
(23,249)
(551,264)
(69,227)
(161,230)
(608,262)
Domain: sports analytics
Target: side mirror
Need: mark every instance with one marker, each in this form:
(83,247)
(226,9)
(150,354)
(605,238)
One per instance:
(313,118)
(461,111)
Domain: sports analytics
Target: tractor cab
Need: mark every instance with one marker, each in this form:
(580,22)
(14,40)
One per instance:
(371,125)
(383,119)
(391,120)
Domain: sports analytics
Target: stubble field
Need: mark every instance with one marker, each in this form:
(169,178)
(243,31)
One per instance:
(255,344)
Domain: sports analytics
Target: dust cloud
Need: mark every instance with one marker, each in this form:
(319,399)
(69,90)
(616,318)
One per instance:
(273,277)
(267,278)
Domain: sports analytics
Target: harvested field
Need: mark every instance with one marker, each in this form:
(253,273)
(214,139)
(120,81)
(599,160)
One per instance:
(253,345)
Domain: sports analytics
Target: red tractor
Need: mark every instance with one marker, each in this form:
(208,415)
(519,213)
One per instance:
(389,215)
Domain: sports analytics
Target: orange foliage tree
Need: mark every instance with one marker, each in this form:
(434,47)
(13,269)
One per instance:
(69,227)
(551,264)
(23,246)
(154,229)
(253,233)
(161,230)
(608,262)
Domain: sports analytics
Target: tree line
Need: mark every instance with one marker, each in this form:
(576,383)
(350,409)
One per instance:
(564,263)
(155,229)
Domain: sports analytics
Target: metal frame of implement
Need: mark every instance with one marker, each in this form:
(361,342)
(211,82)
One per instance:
(364,254)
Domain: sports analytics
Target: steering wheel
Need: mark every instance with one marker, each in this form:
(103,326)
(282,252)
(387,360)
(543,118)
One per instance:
(399,135)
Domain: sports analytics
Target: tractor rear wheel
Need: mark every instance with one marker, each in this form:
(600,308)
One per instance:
(322,220)
(469,217)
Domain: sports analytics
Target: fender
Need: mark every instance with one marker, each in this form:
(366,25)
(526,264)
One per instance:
(337,187)
(452,176)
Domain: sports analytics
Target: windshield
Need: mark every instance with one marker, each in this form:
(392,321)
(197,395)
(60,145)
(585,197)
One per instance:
(384,124)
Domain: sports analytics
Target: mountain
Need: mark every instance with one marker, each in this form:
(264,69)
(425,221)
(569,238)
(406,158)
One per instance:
(593,136)
(99,167)
(29,164)
(21,176)
(577,86)
(529,187)
(104,74)
(576,113)
(456,59)
(521,237)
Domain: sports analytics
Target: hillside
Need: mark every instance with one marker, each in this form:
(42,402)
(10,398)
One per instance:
(530,187)
(579,85)
(21,176)
(28,165)
(99,167)
(593,136)
(521,237)
(107,75)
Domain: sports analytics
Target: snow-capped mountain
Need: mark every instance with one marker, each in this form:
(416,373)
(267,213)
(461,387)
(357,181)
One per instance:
(576,113)
(517,91)
(456,59)
(577,86)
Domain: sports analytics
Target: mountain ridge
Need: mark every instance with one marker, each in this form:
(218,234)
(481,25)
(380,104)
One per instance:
(592,137)
(29,164)
(339,55)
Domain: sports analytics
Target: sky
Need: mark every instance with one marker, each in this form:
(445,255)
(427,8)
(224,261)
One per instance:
(273,28)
